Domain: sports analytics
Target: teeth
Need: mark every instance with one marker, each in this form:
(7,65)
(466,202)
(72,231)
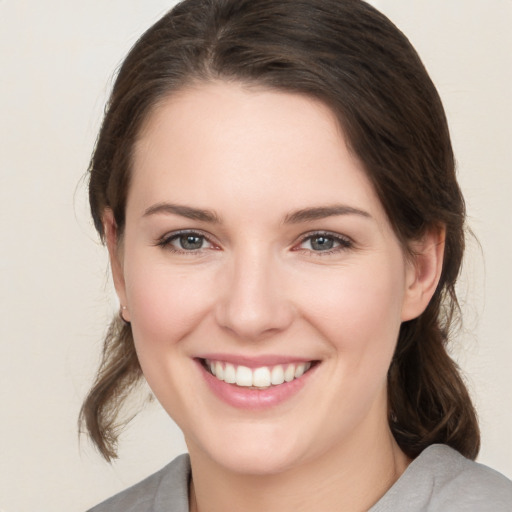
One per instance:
(243,376)
(289,373)
(262,377)
(277,376)
(219,371)
(229,373)
(299,371)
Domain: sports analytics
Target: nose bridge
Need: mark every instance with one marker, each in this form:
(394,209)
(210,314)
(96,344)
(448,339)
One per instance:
(254,302)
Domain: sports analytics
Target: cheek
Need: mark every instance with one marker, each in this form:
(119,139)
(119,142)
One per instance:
(166,307)
(165,303)
(357,308)
(357,314)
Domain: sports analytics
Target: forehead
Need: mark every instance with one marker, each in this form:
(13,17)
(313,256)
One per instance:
(231,110)
(224,142)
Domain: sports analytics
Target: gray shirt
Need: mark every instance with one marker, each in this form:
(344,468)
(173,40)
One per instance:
(438,480)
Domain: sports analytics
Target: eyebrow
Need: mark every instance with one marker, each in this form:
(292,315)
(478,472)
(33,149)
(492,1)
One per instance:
(322,212)
(296,217)
(183,211)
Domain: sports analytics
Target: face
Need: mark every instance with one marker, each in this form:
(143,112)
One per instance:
(256,249)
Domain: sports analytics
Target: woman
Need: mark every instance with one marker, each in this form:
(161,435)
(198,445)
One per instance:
(275,184)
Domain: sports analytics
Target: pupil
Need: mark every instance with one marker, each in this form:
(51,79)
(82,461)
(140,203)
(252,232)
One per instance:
(322,243)
(191,242)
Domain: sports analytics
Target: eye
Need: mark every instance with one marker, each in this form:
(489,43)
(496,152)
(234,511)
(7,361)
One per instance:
(321,243)
(185,242)
(324,242)
(190,242)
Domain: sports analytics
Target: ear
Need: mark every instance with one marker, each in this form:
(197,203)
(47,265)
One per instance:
(423,272)
(116,264)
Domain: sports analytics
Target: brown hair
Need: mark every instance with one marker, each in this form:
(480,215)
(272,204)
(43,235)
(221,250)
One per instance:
(351,57)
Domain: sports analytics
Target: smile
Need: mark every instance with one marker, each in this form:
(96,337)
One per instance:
(262,377)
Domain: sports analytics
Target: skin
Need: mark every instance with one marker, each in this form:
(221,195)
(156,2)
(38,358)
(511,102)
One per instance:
(259,285)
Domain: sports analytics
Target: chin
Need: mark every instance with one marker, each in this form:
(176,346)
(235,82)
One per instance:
(257,462)
(254,451)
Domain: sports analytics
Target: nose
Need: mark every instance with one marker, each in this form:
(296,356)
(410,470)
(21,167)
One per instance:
(254,303)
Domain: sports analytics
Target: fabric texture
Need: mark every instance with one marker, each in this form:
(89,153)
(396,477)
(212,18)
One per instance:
(164,491)
(438,480)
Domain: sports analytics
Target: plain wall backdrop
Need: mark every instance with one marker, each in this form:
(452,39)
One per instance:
(57,58)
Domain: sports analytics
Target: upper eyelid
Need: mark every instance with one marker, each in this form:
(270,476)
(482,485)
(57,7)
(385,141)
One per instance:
(172,234)
(168,237)
(345,244)
(332,234)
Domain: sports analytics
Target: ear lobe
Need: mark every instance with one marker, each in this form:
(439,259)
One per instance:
(113,246)
(423,272)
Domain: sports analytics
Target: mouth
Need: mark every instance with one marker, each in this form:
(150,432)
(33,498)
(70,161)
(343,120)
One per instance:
(259,378)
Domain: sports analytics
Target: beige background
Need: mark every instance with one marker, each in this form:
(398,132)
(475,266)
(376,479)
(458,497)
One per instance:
(56,62)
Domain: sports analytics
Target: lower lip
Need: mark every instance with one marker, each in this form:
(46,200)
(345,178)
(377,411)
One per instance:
(254,399)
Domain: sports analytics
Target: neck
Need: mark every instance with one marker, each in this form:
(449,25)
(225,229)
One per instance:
(351,477)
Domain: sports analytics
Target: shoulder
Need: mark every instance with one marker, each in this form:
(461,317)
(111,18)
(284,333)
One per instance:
(442,479)
(165,490)
(474,486)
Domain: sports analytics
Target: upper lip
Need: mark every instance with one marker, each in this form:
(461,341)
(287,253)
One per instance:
(255,361)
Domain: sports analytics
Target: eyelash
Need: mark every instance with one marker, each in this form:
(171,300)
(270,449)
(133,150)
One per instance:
(344,243)
(166,241)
